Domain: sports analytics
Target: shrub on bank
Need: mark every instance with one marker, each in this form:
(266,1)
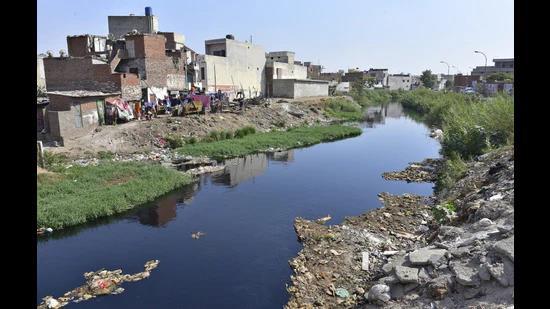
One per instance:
(343,109)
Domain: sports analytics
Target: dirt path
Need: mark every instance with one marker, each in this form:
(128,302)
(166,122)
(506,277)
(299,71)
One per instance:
(141,136)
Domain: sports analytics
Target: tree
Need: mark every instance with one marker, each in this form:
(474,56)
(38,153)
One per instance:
(428,79)
(448,84)
(358,86)
(500,77)
(370,81)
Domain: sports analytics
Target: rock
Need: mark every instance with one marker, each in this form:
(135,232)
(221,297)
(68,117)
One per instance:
(359,291)
(388,280)
(496,197)
(52,303)
(423,275)
(503,273)
(471,293)
(409,287)
(341,292)
(465,274)
(485,222)
(460,252)
(397,291)
(49,230)
(406,274)
(365,261)
(422,256)
(505,247)
(390,253)
(438,288)
(483,272)
(379,293)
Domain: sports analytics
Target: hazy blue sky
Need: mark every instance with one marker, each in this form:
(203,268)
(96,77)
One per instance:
(403,36)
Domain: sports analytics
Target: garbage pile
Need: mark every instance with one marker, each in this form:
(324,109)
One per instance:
(425,171)
(101,282)
(400,256)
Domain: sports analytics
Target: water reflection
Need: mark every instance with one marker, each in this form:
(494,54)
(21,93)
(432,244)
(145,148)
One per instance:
(164,209)
(238,170)
(378,114)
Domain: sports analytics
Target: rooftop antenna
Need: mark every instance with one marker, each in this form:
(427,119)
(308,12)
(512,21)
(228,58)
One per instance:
(251,39)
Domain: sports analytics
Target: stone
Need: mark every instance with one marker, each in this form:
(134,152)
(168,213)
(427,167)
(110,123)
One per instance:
(52,303)
(379,293)
(397,291)
(438,288)
(406,274)
(483,272)
(422,256)
(496,197)
(471,293)
(465,275)
(388,280)
(503,273)
(365,261)
(423,275)
(390,252)
(485,222)
(409,287)
(460,252)
(505,247)
(341,292)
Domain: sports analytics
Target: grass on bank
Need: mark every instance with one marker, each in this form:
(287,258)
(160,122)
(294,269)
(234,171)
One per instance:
(471,126)
(81,194)
(343,109)
(253,143)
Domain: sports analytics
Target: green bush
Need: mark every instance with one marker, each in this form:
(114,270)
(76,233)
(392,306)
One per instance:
(191,140)
(240,133)
(174,141)
(53,160)
(451,170)
(343,109)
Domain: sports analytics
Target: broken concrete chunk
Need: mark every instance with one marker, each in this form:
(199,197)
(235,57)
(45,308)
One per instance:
(465,274)
(505,247)
(406,274)
(379,293)
(422,256)
(503,273)
(365,261)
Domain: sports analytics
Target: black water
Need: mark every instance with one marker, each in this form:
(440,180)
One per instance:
(247,215)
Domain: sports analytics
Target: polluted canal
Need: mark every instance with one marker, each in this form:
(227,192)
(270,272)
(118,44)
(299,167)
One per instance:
(225,241)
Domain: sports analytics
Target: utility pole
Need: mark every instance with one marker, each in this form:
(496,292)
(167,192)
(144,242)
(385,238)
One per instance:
(480,52)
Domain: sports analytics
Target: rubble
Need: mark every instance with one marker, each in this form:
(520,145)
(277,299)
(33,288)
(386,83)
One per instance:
(425,171)
(467,262)
(101,282)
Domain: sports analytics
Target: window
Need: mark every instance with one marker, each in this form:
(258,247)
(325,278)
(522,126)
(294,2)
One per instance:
(202,74)
(124,75)
(219,53)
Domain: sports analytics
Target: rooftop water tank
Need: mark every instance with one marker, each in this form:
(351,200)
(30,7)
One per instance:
(148,11)
(230,37)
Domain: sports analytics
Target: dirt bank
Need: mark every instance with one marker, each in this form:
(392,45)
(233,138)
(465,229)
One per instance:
(143,136)
(401,256)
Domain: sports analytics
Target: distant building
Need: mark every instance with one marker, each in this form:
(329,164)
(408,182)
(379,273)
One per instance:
(313,70)
(119,26)
(465,80)
(501,66)
(380,76)
(343,87)
(281,65)
(354,75)
(399,81)
(332,77)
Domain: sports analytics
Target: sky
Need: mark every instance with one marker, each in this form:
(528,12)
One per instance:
(400,35)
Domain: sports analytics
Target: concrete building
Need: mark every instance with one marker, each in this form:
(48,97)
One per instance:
(119,26)
(174,41)
(343,87)
(501,66)
(231,66)
(313,70)
(398,81)
(281,65)
(88,45)
(299,88)
(354,75)
(380,76)
(332,76)
(465,80)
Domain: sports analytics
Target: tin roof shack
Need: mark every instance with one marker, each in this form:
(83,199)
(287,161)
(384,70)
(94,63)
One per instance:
(230,65)
(76,113)
(299,88)
(281,65)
